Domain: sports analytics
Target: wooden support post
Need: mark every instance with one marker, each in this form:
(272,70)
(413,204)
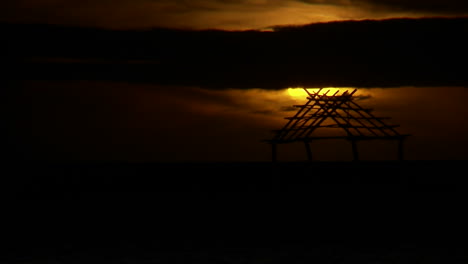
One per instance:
(355,150)
(273,152)
(400,149)
(308,151)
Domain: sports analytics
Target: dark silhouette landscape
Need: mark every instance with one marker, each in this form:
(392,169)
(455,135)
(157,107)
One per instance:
(384,211)
(70,196)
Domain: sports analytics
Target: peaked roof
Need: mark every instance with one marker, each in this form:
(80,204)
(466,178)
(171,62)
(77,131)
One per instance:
(338,110)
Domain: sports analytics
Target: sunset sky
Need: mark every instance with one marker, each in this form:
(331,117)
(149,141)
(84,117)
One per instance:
(219,14)
(207,80)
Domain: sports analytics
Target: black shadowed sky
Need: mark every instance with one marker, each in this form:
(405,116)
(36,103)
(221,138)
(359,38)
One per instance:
(208,80)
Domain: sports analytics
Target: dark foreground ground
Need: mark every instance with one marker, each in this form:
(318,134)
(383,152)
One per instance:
(323,212)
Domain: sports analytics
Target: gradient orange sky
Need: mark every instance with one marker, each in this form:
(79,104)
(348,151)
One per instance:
(218,14)
(131,121)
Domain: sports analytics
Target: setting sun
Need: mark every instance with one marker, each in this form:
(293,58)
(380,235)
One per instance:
(297,92)
(300,93)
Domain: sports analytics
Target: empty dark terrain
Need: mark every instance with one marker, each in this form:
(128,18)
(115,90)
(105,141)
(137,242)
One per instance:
(320,212)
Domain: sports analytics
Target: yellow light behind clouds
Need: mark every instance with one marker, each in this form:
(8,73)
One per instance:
(203,14)
(300,93)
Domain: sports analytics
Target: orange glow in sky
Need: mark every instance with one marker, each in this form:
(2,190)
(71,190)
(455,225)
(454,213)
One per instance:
(300,93)
(201,14)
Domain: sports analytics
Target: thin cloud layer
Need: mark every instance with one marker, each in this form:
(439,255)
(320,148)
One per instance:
(217,14)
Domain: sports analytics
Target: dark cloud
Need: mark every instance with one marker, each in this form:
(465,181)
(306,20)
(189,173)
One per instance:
(431,6)
(369,53)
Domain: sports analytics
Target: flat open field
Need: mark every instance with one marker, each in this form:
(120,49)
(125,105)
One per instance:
(72,180)
(340,212)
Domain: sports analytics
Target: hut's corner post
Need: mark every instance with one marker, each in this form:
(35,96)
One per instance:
(308,150)
(355,150)
(400,148)
(273,152)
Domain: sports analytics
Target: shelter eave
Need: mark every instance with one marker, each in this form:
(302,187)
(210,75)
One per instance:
(308,139)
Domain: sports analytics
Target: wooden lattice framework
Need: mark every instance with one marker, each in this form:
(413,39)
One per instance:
(334,111)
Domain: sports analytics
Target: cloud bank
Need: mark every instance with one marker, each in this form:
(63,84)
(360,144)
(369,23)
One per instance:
(369,53)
